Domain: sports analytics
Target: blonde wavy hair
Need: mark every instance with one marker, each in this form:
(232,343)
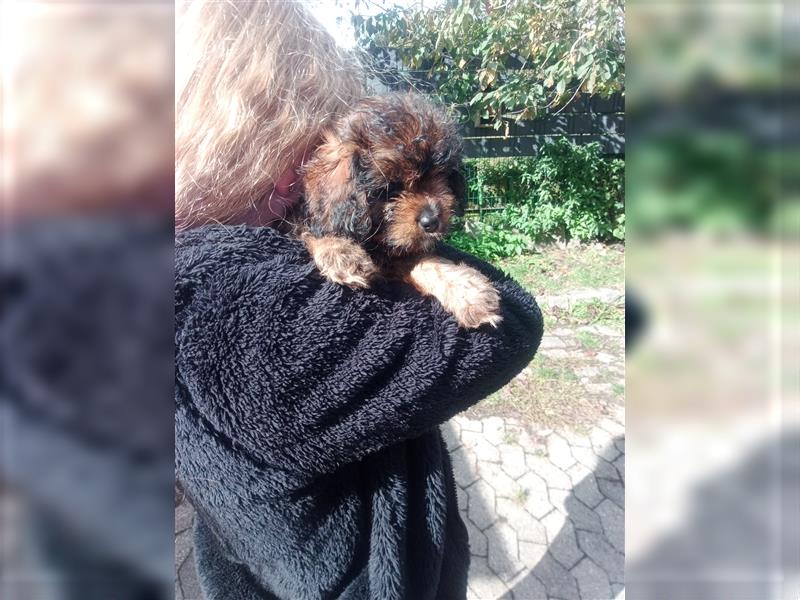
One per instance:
(256,84)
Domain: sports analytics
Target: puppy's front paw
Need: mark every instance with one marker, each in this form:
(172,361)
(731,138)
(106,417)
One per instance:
(342,261)
(475,301)
(465,292)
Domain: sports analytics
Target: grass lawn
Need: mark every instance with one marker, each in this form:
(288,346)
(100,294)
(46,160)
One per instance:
(579,370)
(558,270)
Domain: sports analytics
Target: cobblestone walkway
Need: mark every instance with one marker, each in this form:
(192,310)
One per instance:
(544,510)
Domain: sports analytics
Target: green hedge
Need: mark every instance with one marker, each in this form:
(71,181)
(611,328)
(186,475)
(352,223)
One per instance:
(566,192)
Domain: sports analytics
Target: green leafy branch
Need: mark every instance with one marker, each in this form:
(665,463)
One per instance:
(503,59)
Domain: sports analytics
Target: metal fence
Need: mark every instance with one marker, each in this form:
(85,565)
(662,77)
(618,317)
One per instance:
(479,200)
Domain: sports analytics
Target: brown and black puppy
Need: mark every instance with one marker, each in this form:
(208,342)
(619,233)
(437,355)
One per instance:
(380,192)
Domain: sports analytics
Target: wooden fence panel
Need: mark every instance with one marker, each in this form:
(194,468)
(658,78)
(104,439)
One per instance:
(611,145)
(586,119)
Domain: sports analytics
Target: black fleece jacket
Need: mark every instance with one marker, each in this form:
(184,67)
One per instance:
(306,423)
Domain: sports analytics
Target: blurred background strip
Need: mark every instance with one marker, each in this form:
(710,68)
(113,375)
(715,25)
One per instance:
(86,312)
(712,214)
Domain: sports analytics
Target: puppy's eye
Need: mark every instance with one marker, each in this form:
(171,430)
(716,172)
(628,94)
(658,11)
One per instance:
(394,190)
(387,193)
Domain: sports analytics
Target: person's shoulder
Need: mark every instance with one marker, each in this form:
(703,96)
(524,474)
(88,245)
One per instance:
(235,240)
(222,247)
(219,257)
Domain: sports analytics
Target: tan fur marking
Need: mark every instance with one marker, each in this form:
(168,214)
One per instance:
(341,174)
(404,233)
(341,260)
(464,292)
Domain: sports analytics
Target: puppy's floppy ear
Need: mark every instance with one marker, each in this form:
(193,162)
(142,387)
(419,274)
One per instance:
(334,202)
(458,185)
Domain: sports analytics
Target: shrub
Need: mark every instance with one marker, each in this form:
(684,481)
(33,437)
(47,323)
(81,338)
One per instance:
(566,192)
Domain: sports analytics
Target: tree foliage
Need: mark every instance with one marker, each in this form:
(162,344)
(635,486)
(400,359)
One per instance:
(504,59)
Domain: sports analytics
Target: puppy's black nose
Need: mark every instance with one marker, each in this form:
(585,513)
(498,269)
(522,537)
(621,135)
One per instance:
(428,221)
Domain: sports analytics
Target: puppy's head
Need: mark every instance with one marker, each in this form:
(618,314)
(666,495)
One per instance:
(388,175)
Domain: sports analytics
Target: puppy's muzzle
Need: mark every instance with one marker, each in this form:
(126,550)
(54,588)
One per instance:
(428,220)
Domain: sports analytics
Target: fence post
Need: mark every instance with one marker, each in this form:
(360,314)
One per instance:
(479,179)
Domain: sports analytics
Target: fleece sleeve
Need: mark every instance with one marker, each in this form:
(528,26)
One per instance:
(308,375)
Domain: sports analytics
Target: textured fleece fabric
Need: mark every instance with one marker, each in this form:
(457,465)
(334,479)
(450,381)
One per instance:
(306,423)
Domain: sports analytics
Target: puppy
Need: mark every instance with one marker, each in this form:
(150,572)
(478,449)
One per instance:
(380,192)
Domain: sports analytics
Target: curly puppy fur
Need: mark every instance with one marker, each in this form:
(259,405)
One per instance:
(380,192)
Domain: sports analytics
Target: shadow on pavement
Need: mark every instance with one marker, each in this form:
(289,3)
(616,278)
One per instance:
(742,538)
(585,560)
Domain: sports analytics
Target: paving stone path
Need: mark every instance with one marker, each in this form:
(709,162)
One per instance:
(544,510)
